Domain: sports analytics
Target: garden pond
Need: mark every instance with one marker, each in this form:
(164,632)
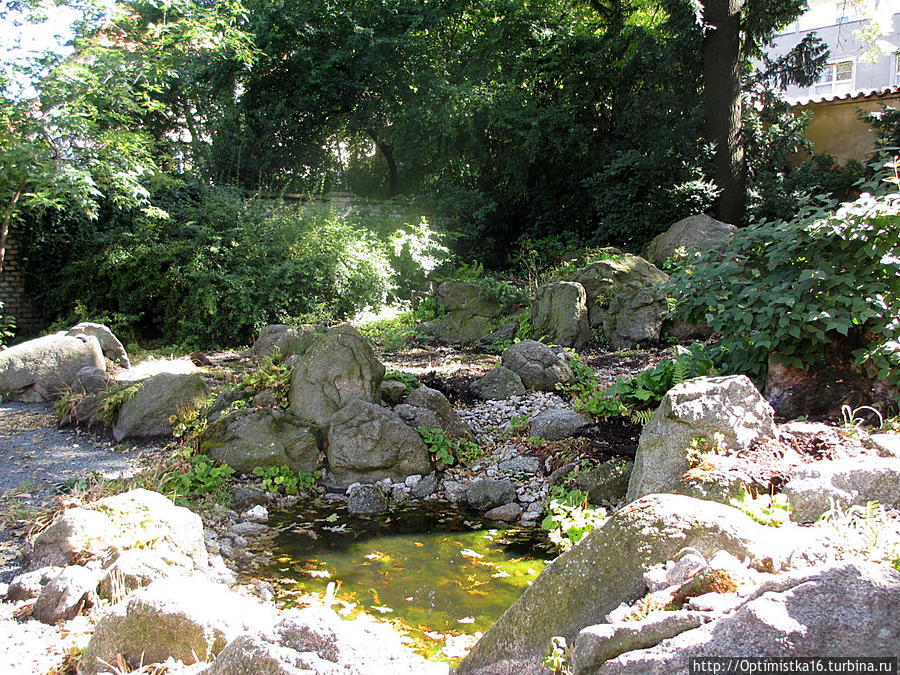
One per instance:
(440,576)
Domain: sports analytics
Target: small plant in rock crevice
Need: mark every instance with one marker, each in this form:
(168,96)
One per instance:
(765,509)
(112,400)
(285,479)
(569,517)
(450,450)
(853,419)
(411,381)
(558,655)
(868,532)
(273,376)
(200,477)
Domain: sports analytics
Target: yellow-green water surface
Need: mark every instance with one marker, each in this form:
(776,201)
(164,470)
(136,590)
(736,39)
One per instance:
(432,573)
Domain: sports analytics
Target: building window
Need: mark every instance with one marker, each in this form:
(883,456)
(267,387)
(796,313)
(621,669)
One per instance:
(837,72)
(897,69)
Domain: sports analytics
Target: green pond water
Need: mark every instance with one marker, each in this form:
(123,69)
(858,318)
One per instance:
(436,575)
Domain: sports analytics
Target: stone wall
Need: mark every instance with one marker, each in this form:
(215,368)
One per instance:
(12,290)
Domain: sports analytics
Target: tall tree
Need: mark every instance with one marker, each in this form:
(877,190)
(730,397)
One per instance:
(736,31)
(722,103)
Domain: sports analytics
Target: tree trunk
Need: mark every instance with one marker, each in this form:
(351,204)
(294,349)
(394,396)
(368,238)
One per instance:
(4,223)
(387,151)
(722,104)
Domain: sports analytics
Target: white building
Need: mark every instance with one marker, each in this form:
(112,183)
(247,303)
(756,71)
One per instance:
(857,63)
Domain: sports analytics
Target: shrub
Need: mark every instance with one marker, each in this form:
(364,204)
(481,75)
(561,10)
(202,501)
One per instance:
(207,267)
(790,288)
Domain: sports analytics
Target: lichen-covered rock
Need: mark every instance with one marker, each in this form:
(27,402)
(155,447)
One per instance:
(606,483)
(468,315)
(392,391)
(66,595)
(181,618)
(435,401)
(417,417)
(597,644)
(634,315)
(694,234)
(488,493)
(109,343)
(540,367)
(135,519)
(132,569)
(44,368)
(264,437)
(814,489)
(846,609)
(367,443)
(560,311)
(338,368)
(316,640)
(507,513)
(602,279)
(367,499)
(559,423)
(281,341)
(606,569)
(497,383)
(698,408)
(91,380)
(28,585)
(148,412)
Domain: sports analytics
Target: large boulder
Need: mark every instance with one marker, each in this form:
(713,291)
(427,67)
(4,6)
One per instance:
(602,279)
(814,489)
(184,618)
(634,315)
(497,383)
(540,367)
(109,343)
(316,640)
(148,412)
(436,402)
(338,368)
(281,341)
(246,439)
(698,408)
(694,234)
(44,368)
(367,443)
(467,314)
(135,519)
(847,609)
(560,311)
(606,569)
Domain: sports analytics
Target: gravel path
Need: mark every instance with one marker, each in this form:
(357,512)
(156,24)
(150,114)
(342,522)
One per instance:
(37,461)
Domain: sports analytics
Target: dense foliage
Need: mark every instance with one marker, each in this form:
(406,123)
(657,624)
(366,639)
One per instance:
(217,267)
(791,287)
(526,128)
